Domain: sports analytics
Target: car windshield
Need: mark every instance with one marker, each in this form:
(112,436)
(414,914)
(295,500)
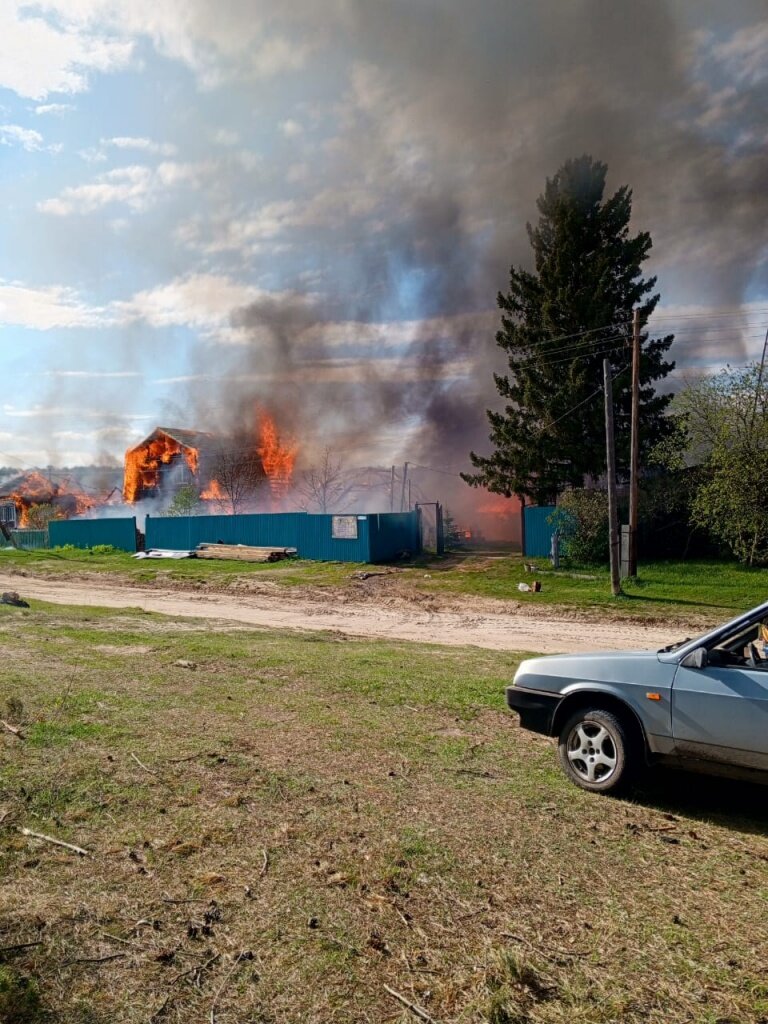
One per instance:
(673,647)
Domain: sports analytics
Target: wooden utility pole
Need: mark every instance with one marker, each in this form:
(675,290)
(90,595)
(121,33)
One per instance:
(613,519)
(392,491)
(634,468)
(402,492)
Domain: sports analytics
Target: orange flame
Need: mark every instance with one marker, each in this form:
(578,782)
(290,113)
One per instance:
(36,489)
(277,456)
(213,492)
(143,464)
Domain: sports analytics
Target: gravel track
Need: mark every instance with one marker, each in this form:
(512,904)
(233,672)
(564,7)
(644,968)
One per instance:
(283,609)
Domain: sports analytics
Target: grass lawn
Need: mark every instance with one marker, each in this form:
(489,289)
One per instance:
(288,824)
(693,590)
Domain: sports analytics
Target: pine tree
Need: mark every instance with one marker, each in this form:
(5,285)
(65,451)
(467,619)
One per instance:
(558,323)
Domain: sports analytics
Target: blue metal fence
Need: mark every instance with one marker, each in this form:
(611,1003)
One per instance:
(88,533)
(30,540)
(394,534)
(182,533)
(538,531)
(347,538)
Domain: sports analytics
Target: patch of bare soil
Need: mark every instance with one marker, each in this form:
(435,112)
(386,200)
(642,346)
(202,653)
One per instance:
(429,619)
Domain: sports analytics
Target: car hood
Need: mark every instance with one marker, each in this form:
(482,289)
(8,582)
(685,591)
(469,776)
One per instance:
(605,666)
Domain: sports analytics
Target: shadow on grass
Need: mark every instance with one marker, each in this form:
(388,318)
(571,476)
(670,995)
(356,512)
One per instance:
(730,803)
(665,600)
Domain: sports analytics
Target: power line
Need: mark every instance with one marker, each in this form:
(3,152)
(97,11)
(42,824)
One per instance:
(587,399)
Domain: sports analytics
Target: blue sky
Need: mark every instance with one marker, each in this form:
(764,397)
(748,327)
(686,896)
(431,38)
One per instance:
(313,205)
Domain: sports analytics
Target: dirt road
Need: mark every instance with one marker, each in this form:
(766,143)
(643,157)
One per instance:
(474,624)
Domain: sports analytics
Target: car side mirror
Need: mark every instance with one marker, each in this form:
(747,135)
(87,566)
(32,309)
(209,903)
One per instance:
(696,659)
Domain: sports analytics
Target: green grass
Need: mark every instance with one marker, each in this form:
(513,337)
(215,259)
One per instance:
(687,588)
(66,561)
(355,814)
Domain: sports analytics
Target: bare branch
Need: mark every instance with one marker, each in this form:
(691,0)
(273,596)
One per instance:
(57,842)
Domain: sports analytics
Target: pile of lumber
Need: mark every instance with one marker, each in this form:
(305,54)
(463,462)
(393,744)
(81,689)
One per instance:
(243,552)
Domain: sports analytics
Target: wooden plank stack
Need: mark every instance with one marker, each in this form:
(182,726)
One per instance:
(243,552)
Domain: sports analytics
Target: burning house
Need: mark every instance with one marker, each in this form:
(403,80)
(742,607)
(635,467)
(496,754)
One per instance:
(65,495)
(226,470)
(166,460)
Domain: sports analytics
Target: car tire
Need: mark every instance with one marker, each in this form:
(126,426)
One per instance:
(596,751)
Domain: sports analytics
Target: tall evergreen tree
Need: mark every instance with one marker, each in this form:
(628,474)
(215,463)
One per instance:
(558,323)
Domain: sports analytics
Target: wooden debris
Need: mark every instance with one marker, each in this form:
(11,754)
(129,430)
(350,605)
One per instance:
(142,765)
(197,970)
(14,729)
(95,959)
(56,842)
(243,552)
(19,945)
(265,865)
(416,1010)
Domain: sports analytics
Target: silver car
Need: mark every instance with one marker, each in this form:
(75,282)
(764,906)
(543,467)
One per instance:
(699,704)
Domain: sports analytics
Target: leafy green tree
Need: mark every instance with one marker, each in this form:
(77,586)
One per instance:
(186,502)
(38,516)
(581,519)
(727,410)
(732,504)
(726,420)
(558,323)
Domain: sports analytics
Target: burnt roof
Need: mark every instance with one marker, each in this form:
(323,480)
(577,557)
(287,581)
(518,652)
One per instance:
(198,439)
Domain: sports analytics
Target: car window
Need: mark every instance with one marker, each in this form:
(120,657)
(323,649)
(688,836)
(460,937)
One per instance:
(747,647)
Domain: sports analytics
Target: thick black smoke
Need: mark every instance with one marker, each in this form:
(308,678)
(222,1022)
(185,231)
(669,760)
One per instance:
(414,209)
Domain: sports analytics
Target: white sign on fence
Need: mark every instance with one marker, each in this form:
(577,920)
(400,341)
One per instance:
(344,528)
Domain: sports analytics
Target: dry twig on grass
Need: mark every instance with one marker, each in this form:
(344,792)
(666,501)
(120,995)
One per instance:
(554,957)
(56,842)
(265,865)
(197,970)
(160,1010)
(415,1009)
(13,729)
(19,945)
(142,765)
(245,955)
(95,959)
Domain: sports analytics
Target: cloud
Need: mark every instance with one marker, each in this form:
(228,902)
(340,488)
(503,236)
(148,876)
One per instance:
(291,129)
(41,411)
(46,308)
(136,186)
(117,433)
(226,137)
(202,302)
(15,135)
(54,108)
(39,57)
(217,43)
(130,142)
(93,374)
(745,54)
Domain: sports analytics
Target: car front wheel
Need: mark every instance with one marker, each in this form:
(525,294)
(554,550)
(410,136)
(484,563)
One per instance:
(596,752)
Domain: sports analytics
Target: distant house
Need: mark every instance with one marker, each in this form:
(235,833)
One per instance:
(164,461)
(8,514)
